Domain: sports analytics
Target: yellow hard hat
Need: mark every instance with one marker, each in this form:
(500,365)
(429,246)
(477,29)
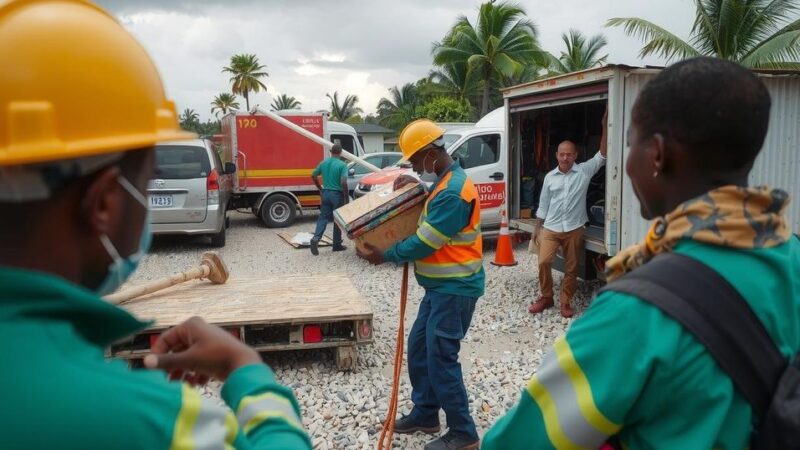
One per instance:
(416,135)
(75,84)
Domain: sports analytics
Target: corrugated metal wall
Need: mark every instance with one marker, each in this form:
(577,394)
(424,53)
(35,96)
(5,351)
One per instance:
(632,227)
(778,165)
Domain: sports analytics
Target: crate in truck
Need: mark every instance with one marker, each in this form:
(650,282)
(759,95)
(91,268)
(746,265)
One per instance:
(270,313)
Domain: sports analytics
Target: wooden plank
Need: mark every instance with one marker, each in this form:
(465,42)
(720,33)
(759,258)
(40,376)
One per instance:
(267,300)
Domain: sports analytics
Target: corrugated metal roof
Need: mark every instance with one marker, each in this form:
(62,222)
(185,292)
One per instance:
(774,72)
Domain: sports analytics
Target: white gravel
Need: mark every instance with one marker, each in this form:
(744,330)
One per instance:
(345,410)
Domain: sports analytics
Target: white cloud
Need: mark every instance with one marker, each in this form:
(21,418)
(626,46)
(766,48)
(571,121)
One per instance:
(314,47)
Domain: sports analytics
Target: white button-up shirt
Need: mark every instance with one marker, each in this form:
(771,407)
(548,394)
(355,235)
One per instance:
(562,204)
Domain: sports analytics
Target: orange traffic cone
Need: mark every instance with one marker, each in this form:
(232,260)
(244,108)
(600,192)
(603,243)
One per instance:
(504,255)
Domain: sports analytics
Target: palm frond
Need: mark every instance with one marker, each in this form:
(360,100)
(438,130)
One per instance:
(658,41)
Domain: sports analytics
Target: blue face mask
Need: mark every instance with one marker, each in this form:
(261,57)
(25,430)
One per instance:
(121,268)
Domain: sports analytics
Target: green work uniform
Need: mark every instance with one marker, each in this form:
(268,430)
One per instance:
(333,171)
(627,369)
(61,392)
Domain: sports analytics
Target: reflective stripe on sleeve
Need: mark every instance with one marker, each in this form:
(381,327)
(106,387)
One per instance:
(431,236)
(201,424)
(564,396)
(255,410)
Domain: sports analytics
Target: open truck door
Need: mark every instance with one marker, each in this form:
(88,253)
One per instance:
(480,156)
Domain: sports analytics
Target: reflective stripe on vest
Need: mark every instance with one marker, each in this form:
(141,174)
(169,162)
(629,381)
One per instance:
(460,255)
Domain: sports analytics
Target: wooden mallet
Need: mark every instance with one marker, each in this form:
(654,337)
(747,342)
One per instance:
(211,268)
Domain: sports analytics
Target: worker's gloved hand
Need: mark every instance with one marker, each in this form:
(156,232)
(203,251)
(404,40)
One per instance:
(195,351)
(403,180)
(372,254)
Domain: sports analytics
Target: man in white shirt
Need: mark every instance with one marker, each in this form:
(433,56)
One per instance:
(562,207)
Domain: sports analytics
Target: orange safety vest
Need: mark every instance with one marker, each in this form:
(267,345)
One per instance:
(460,255)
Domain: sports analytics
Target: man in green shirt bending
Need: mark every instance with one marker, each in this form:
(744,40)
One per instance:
(626,371)
(333,194)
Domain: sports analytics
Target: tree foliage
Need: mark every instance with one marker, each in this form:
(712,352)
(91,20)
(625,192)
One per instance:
(760,34)
(246,75)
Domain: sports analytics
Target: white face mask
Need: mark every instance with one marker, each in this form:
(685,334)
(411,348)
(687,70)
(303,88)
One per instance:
(121,268)
(425,171)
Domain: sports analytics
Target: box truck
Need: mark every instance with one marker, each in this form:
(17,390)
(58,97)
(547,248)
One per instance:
(274,163)
(541,114)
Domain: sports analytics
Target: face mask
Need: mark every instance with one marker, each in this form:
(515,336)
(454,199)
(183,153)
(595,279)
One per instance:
(425,171)
(121,268)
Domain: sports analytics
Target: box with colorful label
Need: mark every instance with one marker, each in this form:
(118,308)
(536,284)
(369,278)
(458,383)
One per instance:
(383,216)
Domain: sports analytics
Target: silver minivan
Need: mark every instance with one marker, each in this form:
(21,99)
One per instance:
(190,191)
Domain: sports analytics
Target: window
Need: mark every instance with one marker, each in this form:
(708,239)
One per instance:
(450,139)
(479,151)
(390,160)
(346,141)
(375,160)
(181,162)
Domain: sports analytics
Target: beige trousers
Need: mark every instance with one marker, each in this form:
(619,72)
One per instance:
(571,244)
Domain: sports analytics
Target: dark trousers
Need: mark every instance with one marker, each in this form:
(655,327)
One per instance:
(330,200)
(433,367)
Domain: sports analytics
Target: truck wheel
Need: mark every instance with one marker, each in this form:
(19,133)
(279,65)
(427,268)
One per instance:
(278,211)
(346,357)
(218,239)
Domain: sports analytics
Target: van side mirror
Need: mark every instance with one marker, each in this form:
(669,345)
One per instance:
(230,168)
(351,171)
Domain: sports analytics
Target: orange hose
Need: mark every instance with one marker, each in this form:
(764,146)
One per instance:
(387,434)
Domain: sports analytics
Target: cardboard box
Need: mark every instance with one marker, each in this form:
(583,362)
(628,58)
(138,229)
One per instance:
(382,217)
(525,213)
(388,233)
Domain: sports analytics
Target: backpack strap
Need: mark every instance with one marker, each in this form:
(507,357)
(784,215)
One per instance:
(712,310)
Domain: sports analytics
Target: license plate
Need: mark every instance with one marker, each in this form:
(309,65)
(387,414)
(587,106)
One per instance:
(160,201)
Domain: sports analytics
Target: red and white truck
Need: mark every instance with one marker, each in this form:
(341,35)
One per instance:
(274,160)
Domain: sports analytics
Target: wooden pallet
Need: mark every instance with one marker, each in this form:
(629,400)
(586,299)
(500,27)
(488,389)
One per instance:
(246,301)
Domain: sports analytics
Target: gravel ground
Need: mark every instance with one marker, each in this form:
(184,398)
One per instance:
(345,410)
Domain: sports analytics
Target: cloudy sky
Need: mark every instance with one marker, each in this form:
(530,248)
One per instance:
(312,47)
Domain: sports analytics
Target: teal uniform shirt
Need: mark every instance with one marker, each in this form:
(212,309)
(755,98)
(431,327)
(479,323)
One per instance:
(61,392)
(333,171)
(448,213)
(627,369)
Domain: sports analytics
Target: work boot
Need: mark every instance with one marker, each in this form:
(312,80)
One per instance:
(314,249)
(540,305)
(453,441)
(567,311)
(339,248)
(407,425)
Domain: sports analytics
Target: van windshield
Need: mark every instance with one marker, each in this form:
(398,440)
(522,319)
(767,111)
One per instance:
(450,139)
(181,162)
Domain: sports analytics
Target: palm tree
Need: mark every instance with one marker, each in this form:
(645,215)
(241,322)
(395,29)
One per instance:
(455,80)
(190,116)
(246,74)
(401,109)
(500,44)
(223,104)
(581,53)
(345,110)
(755,33)
(190,120)
(284,101)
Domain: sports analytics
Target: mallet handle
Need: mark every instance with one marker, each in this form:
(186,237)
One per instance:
(116,298)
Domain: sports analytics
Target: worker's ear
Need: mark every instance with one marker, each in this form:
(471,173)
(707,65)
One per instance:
(102,204)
